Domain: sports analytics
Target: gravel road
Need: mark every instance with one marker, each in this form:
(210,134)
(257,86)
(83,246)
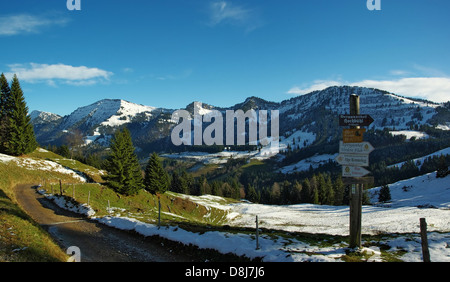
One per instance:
(96,242)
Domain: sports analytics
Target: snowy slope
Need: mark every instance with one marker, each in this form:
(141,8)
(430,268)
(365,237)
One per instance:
(107,112)
(427,197)
(399,221)
(40,117)
(419,161)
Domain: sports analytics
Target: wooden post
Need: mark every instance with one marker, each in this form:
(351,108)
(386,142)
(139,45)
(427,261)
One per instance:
(257,234)
(159,211)
(89,197)
(60,188)
(423,235)
(355,192)
(355,215)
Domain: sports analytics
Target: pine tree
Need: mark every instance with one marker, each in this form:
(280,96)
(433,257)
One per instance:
(20,132)
(124,171)
(442,169)
(252,195)
(5,97)
(177,185)
(385,194)
(322,189)
(156,178)
(305,193)
(339,190)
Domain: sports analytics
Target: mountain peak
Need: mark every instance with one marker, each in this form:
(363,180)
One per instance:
(43,117)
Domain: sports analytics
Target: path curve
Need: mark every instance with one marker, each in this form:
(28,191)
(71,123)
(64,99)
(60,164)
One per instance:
(97,242)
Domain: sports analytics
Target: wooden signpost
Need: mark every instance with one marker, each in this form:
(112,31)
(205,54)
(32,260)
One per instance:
(353,156)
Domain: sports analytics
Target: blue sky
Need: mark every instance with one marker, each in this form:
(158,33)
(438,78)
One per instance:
(168,53)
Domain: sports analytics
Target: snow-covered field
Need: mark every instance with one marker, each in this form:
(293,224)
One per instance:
(303,165)
(410,133)
(397,221)
(427,196)
(39,164)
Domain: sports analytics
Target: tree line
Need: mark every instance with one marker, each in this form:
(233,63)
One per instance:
(16,131)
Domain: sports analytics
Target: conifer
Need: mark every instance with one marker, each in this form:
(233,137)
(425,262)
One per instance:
(156,178)
(124,172)
(20,137)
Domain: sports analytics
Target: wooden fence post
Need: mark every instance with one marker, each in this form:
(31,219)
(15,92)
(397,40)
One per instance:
(257,234)
(423,235)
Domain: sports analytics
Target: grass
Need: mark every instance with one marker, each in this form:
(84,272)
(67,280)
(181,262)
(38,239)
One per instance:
(21,238)
(92,173)
(143,206)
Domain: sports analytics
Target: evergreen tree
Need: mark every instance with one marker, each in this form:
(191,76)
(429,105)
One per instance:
(20,132)
(6,101)
(156,178)
(252,195)
(442,169)
(178,184)
(385,194)
(63,151)
(305,193)
(124,172)
(5,98)
(339,190)
(329,192)
(322,189)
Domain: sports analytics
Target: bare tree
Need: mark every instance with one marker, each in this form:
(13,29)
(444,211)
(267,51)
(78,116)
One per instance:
(74,139)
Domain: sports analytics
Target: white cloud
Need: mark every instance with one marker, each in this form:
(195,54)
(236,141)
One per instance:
(228,13)
(436,89)
(24,23)
(67,74)
(317,85)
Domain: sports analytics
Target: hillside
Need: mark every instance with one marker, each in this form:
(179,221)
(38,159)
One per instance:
(21,238)
(302,232)
(307,232)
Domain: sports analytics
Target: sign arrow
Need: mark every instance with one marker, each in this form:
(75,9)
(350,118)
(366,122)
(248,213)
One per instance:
(355,148)
(353,159)
(355,120)
(354,171)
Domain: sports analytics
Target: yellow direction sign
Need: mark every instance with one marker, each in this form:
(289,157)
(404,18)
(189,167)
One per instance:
(354,171)
(353,135)
(355,148)
(352,159)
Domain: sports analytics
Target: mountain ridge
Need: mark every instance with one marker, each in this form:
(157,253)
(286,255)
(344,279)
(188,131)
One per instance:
(314,112)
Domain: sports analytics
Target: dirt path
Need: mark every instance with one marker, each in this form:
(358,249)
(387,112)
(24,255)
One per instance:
(96,242)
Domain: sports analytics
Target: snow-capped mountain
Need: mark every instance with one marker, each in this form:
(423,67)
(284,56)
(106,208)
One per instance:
(313,116)
(105,112)
(40,117)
